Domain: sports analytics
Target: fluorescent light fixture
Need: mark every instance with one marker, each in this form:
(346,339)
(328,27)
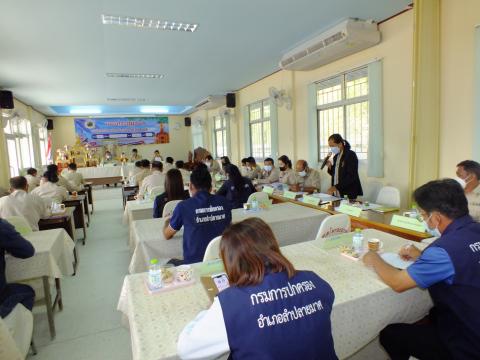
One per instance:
(126,99)
(154,109)
(145,23)
(135,76)
(79,111)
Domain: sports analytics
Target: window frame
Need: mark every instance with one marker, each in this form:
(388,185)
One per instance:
(12,132)
(225,130)
(262,120)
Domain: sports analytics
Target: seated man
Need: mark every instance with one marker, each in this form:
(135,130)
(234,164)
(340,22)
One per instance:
(180,165)
(449,268)
(146,170)
(307,179)
(270,173)
(157,178)
(253,170)
(29,206)
(468,173)
(156,156)
(135,156)
(74,177)
(134,174)
(13,294)
(168,164)
(32,179)
(204,216)
(52,168)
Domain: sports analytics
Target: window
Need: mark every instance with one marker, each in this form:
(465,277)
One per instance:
(260,130)
(342,107)
(18,134)
(43,141)
(220,136)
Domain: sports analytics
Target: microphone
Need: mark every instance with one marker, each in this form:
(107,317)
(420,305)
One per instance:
(325,160)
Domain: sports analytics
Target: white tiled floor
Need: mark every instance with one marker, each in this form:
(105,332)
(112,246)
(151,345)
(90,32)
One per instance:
(89,327)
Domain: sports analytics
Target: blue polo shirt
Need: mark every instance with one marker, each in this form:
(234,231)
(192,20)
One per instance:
(204,217)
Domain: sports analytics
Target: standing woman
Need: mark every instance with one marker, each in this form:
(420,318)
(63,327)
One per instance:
(344,170)
(240,322)
(174,190)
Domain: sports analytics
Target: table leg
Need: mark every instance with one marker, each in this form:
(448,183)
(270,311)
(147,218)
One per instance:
(48,304)
(84,225)
(58,298)
(86,210)
(75,257)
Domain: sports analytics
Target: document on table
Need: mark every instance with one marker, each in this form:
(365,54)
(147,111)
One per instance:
(396,261)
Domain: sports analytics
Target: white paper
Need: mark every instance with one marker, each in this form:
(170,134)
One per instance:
(396,261)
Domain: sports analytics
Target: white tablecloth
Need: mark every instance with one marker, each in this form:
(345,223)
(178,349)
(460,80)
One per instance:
(290,223)
(108,170)
(137,210)
(53,257)
(363,305)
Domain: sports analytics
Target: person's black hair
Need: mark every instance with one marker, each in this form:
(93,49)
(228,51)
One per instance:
(285,160)
(251,160)
(209,157)
(269,159)
(72,166)
(169,160)
(18,183)
(138,163)
(200,178)
(51,176)
(244,161)
(225,160)
(145,163)
(134,150)
(32,171)
(235,177)
(338,139)
(157,165)
(445,196)
(179,164)
(174,185)
(52,168)
(157,151)
(471,167)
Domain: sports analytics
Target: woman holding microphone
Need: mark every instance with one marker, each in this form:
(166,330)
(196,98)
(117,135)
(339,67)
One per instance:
(344,170)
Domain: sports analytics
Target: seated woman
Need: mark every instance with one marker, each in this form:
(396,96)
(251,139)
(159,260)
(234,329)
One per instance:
(241,322)
(287,175)
(173,191)
(237,188)
(49,188)
(225,162)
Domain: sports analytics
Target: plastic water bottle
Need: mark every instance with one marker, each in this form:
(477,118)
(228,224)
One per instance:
(254,204)
(345,200)
(358,241)
(154,275)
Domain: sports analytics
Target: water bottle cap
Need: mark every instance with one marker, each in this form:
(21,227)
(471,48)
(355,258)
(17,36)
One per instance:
(358,230)
(154,261)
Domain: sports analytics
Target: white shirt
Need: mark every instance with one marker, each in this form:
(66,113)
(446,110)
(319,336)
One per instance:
(167,166)
(206,336)
(269,177)
(62,181)
(74,178)
(33,181)
(51,192)
(185,176)
(151,181)
(29,206)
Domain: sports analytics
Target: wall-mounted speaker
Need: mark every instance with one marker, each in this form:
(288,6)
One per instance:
(49,124)
(188,121)
(6,99)
(230,100)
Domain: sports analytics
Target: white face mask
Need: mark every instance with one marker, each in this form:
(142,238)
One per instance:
(335,150)
(267,167)
(434,232)
(302,173)
(463,182)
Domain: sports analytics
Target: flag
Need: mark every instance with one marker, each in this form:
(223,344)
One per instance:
(48,151)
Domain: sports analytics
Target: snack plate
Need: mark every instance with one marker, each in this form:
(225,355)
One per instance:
(175,285)
(348,253)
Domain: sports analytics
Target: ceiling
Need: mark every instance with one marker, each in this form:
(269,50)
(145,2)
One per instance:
(55,53)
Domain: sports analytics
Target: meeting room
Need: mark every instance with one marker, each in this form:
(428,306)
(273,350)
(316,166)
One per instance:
(259,180)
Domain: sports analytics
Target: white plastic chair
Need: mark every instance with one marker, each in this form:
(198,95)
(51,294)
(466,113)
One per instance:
(389,196)
(259,196)
(212,252)
(155,191)
(20,224)
(16,333)
(333,225)
(169,207)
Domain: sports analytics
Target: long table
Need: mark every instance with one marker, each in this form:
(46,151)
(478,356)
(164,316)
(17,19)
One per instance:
(137,210)
(53,259)
(367,220)
(363,305)
(290,224)
(107,174)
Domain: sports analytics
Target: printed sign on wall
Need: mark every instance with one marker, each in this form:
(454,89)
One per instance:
(123,130)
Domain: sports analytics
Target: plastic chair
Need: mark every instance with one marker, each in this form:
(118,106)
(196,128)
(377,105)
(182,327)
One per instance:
(155,191)
(169,207)
(389,196)
(20,224)
(212,252)
(16,333)
(333,225)
(259,196)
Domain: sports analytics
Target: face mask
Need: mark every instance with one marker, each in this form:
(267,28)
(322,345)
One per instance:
(302,173)
(335,150)
(462,182)
(267,167)
(434,232)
